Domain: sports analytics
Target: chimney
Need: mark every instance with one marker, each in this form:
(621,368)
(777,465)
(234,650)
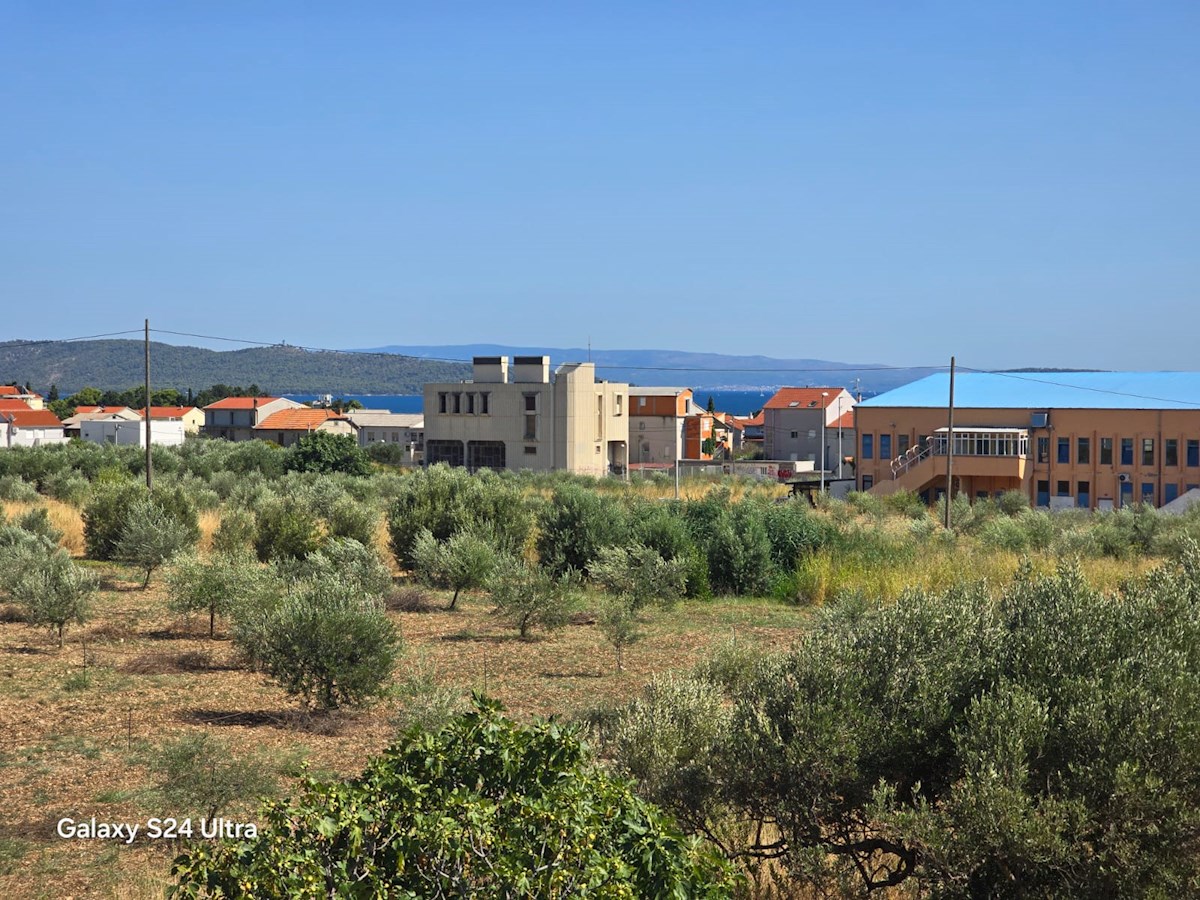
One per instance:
(489,369)
(531,369)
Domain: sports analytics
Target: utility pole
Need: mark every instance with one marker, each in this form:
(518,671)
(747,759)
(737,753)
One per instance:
(824,395)
(149,464)
(950,449)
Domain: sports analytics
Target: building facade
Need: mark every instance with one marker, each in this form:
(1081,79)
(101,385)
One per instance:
(792,424)
(518,417)
(124,432)
(235,418)
(30,428)
(1089,440)
(285,427)
(404,430)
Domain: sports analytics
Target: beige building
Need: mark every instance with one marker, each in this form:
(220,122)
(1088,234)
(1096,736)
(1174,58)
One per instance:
(379,426)
(519,418)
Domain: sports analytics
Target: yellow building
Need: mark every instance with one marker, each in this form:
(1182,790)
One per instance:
(1093,440)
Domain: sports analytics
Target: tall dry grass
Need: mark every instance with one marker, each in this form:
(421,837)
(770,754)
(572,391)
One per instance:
(63,516)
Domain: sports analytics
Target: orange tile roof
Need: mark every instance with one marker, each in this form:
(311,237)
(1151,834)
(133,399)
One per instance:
(99,409)
(803,398)
(846,421)
(298,419)
(12,403)
(30,418)
(241,402)
(751,421)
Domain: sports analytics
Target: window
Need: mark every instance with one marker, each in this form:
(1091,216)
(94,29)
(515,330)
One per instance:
(1043,493)
(441,401)
(483,403)
(531,403)
(617,400)
(1043,449)
(901,444)
(1193,453)
(1083,451)
(1064,450)
(885,446)
(1127,451)
(1170,492)
(1147,451)
(530,451)
(1148,492)
(457,403)
(471,404)
(1171,452)
(795,434)
(485,455)
(868,446)
(868,482)
(531,427)
(1106,451)
(1083,491)
(1064,489)
(449,452)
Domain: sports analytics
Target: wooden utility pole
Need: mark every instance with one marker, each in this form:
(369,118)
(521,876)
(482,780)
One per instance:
(149,464)
(950,449)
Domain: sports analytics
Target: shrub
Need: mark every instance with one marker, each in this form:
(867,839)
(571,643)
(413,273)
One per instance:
(199,775)
(464,562)
(52,588)
(528,597)
(619,624)
(739,551)
(324,452)
(16,489)
(217,585)
(483,807)
(106,514)
(351,562)
(151,536)
(575,525)
(235,533)
(328,644)
(350,519)
(639,575)
(285,531)
(1039,744)
(68,487)
(37,521)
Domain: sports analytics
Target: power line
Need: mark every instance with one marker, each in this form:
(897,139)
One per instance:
(86,337)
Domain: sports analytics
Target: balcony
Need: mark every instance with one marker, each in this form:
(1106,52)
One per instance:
(978,452)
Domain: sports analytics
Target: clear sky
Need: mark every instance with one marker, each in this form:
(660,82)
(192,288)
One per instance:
(1013,182)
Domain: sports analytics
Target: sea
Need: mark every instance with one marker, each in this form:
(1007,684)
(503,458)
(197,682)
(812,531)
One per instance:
(737,403)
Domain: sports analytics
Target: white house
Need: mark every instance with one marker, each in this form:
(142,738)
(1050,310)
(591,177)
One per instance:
(30,428)
(167,432)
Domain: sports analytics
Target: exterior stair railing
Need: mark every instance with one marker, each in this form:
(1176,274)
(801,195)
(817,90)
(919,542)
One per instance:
(915,454)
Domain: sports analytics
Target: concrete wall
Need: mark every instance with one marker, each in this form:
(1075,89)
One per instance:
(168,433)
(32,437)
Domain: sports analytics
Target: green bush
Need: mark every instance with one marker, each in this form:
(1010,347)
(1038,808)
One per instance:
(201,776)
(107,512)
(575,525)
(350,561)
(218,585)
(462,563)
(324,452)
(529,597)
(68,487)
(54,591)
(283,530)
(151,536)
(484,807)
(328,644)
(16,489)
(37,521)
(348,518)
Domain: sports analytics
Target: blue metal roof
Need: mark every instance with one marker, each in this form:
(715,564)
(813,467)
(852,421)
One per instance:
(1049,390)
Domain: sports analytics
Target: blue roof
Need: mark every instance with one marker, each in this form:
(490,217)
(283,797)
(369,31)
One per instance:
(1049,390)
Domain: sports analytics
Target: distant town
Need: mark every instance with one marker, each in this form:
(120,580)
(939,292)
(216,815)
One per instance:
(1089,440)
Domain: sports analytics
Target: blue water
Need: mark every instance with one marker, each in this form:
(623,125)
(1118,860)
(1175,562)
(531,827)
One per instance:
(738,403)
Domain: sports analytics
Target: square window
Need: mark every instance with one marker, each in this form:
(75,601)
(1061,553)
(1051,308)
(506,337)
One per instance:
(530,451)
(1064,489)
(795,434)
(531,403)
(868,482)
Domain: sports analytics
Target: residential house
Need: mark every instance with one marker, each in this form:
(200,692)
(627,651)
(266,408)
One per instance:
(1089,440)
(287,426)
(30,428)
(192,417)
(406,430)
(114,429)
(520,418)
(73,424)
(795,418)
(235,418)
(16,392)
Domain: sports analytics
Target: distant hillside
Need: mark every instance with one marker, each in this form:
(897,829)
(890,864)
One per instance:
(708,371)
(118,364)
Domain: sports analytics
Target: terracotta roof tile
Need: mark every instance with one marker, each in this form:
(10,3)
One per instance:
(803,398)
(846,421)
(12,403)
(241,402)
(298,419)
(30,418)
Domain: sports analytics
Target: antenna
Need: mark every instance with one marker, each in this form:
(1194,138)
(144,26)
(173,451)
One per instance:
(589,348)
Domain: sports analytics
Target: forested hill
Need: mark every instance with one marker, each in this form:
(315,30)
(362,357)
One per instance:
(118,364)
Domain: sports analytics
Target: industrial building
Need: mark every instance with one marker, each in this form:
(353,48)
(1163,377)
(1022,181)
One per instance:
(519,417)
(1089,440)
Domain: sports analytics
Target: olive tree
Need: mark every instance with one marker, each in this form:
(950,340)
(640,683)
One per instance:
(151,536)
(462,563)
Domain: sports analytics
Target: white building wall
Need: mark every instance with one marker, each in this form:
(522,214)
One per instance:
(167,433)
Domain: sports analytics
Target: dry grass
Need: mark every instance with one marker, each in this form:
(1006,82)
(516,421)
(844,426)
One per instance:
(210,521)
(75,723)
(63,516)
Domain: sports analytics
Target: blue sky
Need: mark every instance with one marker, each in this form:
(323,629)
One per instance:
(1012,182)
